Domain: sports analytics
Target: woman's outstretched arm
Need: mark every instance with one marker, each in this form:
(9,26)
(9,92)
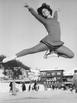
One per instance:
(35,14)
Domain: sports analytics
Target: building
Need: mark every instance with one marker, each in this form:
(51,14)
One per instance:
(51,77)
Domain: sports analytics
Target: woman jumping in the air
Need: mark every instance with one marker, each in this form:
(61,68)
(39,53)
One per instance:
(52,42)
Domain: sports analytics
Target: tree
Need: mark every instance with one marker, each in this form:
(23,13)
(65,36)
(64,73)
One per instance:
(15,67)
(2,57)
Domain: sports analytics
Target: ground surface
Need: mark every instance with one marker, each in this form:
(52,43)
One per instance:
(51,96)
(42,96)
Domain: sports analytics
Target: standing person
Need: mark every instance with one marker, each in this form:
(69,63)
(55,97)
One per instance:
(11,86)
(23,86)
(29,88)
(74,81)
(52,42)
(35,85)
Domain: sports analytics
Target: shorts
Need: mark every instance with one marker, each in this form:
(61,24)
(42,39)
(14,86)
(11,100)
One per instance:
(50,43)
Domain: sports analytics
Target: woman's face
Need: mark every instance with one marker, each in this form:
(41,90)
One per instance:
(45,12)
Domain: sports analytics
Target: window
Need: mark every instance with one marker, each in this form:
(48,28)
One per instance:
(48,74)
(43,74)
(58,73)
(53,73)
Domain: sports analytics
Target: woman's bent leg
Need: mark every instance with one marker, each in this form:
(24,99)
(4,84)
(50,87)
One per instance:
(65,52)
(38,48)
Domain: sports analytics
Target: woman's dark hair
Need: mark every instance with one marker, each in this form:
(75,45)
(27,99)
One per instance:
(44,6)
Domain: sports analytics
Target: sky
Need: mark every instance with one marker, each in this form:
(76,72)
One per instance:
(20,30)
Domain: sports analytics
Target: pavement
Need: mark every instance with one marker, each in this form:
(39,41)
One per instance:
(49,96)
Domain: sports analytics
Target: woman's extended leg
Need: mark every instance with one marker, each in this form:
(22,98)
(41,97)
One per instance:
(65,52)
(38,48)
